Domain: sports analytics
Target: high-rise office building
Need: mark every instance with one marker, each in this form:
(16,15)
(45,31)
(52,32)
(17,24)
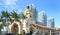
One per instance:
(43,18)
(51,23)
(34,11)
(38,19)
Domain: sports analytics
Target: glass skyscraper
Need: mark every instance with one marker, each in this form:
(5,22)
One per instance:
(43,18)
(34,11)
(51,23)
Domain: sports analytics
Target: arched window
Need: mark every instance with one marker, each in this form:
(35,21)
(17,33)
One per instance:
(23,32)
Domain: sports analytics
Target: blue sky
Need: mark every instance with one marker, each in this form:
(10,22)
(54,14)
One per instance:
(52,7)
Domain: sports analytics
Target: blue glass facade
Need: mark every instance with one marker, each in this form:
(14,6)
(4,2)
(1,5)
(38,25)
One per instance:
(51,23)
(34,11)
(43,18)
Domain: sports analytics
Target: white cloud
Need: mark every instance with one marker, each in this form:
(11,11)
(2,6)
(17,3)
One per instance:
(10,2)
(12,5)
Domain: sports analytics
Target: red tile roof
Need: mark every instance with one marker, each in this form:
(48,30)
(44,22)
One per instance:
(44,27)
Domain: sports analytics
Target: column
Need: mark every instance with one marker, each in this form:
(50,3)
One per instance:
(19,30)
(50,32)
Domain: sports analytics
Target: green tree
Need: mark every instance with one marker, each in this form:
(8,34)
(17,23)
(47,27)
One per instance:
(0,27)
(1,20)
(5,16)
(14,15)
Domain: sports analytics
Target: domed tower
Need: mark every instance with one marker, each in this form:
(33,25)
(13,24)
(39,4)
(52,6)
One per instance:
(29,18)
(29,15)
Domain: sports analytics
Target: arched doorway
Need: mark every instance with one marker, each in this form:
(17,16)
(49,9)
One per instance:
(15,28)
(32,29)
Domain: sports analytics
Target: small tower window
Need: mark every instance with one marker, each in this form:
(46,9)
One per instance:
(30,15)
(27,7)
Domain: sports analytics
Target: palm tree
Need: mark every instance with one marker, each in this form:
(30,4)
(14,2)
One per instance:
(14,15)
(0,19)
(5,16)
(0,27)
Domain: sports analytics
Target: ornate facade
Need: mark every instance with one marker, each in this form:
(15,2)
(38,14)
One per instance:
(24,25)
